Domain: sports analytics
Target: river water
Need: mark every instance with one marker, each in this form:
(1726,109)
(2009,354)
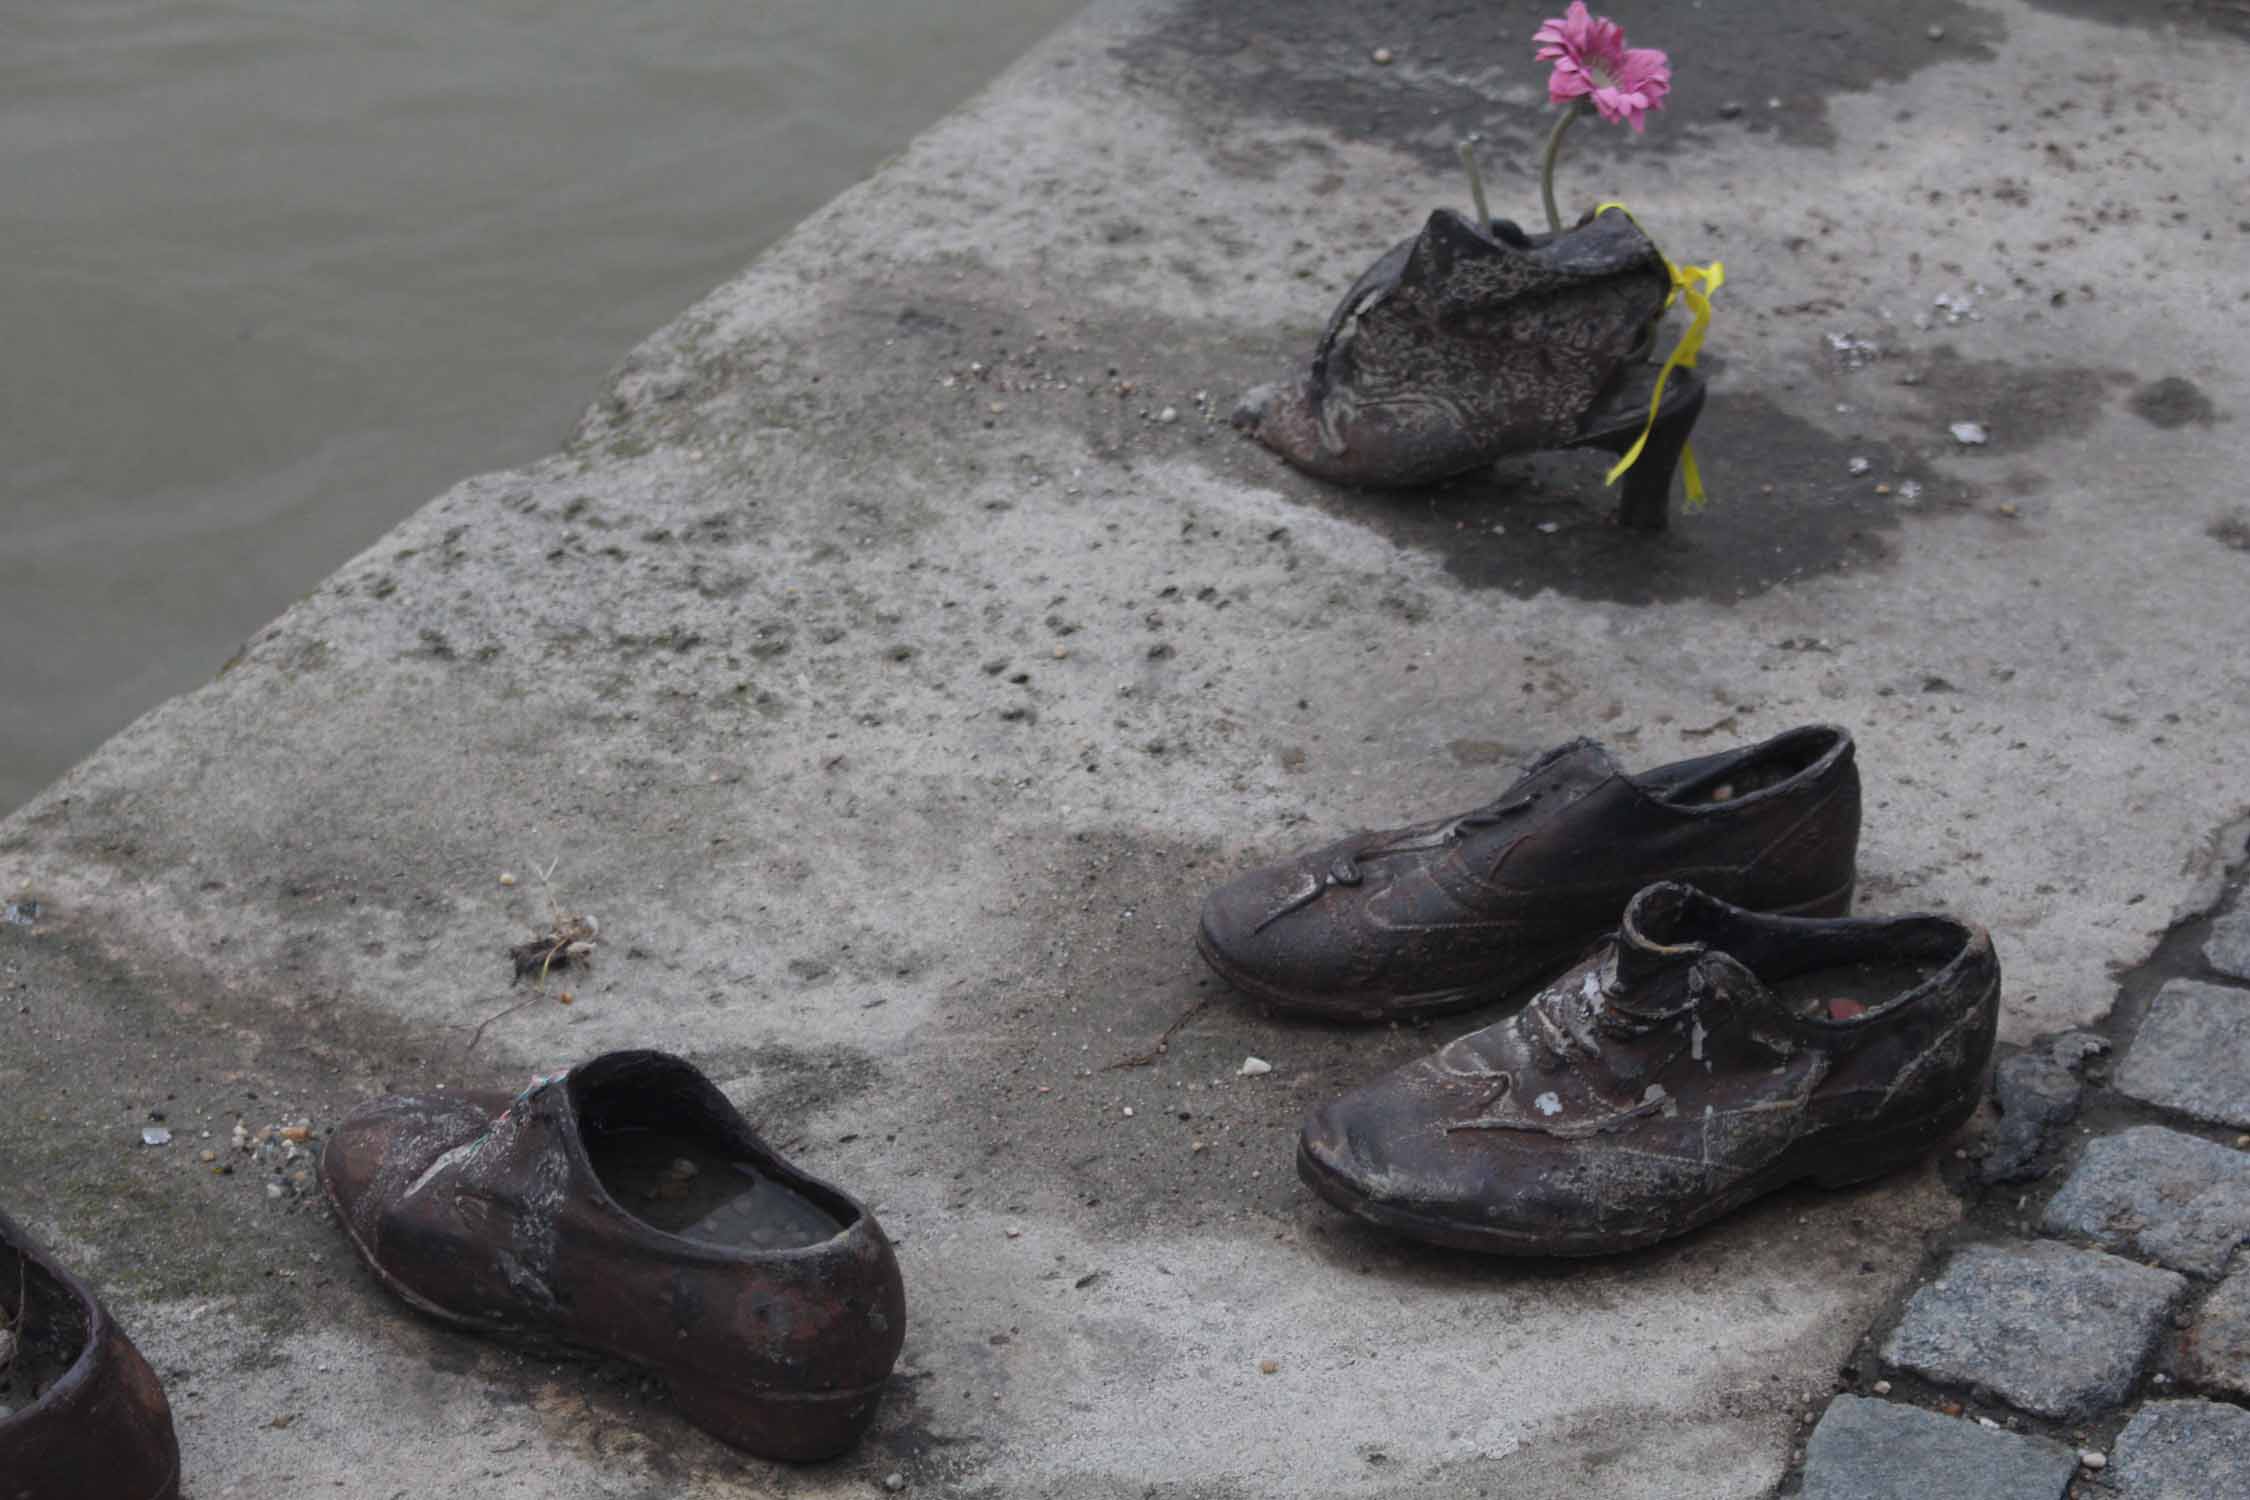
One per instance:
(275,272)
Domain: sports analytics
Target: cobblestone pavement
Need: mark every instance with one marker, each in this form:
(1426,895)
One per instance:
(2097,1344)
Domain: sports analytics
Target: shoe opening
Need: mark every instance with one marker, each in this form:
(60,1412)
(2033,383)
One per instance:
(672,1152)
(1743,774)
(43,1330)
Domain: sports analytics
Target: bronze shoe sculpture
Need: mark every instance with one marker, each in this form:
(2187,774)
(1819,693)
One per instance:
(1462,346)
(81,1413)
(1703,1057)
(1449,914)
(626,1207)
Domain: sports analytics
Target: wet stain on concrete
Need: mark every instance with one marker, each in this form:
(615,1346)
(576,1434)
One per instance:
(1313,62)
(1784,506)
(2019,405)
(2174,401)
(2226,17)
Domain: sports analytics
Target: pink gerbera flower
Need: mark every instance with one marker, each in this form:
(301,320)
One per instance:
(1592,62)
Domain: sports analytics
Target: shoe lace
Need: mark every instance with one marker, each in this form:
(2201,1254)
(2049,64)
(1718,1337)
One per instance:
(1345,868)
(1573,1021)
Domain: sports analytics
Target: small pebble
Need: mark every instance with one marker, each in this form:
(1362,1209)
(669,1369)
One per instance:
(1014,1233)
(156,1135)
(1882,1387)
(273,1190)
(1882,489)
(207,1156)
(1128,1111)
(507,877)
(1730,109)
(1252,1067)
(1858,466)
(1383,56)
(1988,1424)
(894,1482)
(1169,414)
(1937,33)
(1548,528)
(2093,1459)
(1269,1367)
(1969,434)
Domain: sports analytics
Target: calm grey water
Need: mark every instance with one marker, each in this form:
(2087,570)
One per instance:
(274,272)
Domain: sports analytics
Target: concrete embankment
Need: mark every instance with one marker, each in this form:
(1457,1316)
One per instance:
(904,643)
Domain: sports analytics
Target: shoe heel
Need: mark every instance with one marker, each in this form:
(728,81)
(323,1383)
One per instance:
(792,1427)
(1881,1155)
(1836,903)
(1646,503)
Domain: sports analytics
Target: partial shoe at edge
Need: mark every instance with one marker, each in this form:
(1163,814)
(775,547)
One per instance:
(1454,913)
(1703,1057)
(101,1430)
(499,1215)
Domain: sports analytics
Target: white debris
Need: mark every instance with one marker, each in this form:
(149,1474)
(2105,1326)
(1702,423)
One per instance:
(1969,434)
(1549,528)
(156,1135)
(1959,307)
(1549,1104)
(1169,415)
(1252,1067)
(1910,490)
(1858,466)
(2094,1459)
(1853,350)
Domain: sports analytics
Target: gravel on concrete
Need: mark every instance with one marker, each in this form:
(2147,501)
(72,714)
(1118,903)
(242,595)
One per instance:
(2049,1329)
(2192,1052)
(1865,1449)
(2157,1194)
(2183,1450)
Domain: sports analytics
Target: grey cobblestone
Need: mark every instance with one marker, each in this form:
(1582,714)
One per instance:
(2193,1052)
(2037,1096)
(2050,1329)
(2228,947)
(1879,1450)
(2215,1355)
(2184,1450)
(2157,1194)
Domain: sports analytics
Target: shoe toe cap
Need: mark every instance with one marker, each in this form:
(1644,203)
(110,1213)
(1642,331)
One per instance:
(379,1148)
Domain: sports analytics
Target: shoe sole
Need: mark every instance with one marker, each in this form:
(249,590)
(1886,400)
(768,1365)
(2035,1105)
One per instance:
(1280,1000)
(820,1424)
(1836,1164)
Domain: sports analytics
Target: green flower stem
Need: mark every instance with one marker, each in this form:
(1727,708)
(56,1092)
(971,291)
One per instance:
(1476,188)
(1547,163)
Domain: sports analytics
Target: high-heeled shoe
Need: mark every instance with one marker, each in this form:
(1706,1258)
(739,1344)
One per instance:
(1460,347)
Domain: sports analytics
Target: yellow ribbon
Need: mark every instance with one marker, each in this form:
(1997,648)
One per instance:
(1693,285)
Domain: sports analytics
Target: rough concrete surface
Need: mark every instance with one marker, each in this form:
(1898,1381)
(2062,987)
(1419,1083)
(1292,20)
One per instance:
(1880,1450)
(2184,1450)
(2215,1354)
(2158,1195)
(2058,1332)
(2192,1052)
(890,679)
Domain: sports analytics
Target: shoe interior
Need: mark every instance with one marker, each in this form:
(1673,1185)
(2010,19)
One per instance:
(1844,992)
(669,1158)
(1832,970)
(42,1331)
(1732,777)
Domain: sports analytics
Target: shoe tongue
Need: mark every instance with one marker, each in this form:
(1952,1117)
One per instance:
(1665,957)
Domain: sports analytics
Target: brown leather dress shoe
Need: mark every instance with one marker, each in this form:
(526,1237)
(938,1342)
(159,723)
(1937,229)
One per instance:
(1450,914)
(1704,1056)
(626,1207)
(81,1414)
